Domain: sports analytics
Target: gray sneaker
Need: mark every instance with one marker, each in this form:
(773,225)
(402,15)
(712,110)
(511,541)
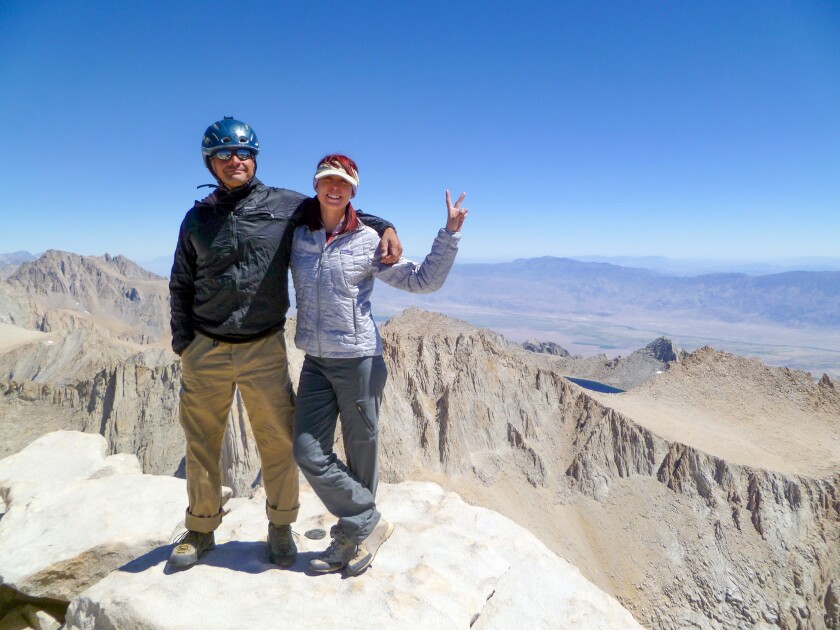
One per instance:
(336,556)
(369,546)
(282,550)
(189,547)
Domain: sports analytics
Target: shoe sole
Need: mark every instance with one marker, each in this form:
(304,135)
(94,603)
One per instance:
(283,561)
(368,560)
(182,561)
(331,569)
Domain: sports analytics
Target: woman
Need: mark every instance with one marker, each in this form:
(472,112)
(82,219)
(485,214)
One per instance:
(334,263)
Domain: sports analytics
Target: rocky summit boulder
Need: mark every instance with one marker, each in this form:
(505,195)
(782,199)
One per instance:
(447,565)
(72,515)
(94,531)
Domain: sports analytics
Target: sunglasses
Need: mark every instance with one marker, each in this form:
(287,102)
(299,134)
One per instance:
(226,154)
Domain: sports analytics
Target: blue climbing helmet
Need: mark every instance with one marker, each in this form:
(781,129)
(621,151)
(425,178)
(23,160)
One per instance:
(228,133)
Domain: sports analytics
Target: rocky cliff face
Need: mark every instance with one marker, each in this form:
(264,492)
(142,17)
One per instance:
(772,539)
(753,545)
(136,409)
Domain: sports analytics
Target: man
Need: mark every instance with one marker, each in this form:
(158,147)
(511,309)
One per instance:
(229,297)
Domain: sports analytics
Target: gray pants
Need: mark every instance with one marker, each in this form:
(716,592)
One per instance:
(352,388)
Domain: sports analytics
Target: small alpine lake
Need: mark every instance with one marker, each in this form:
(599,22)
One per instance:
(595,386)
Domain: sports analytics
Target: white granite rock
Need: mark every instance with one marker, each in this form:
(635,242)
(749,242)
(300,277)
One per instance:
(447,565)
(49,461)
(74,515)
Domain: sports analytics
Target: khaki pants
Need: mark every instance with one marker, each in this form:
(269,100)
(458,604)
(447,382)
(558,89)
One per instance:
(211,371)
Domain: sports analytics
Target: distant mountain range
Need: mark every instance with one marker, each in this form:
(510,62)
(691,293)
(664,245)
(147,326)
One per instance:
(790,318)
(698,266)
(16,258)
(770,292)
(161,265)
(551,285)
(560,285)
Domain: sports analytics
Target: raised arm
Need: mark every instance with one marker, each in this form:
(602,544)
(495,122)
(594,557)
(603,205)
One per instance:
(429,275)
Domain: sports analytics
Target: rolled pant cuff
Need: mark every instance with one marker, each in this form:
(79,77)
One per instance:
(281,517)
(203,524)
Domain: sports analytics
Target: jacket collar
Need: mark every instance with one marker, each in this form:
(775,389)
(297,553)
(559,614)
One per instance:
(239,193)
(226,199)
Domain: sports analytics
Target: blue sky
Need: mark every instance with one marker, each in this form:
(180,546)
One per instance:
(681,129)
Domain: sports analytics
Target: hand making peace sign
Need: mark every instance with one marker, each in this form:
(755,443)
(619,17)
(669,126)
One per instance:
(455,214)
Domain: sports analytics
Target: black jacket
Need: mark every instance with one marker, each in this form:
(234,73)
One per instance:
(229,279)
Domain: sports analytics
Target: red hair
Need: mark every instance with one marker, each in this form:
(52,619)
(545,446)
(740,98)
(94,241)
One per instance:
(340,161)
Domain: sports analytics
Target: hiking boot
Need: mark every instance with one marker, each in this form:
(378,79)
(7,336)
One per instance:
(336,556)
(190,546)
(282,550)
(367,549)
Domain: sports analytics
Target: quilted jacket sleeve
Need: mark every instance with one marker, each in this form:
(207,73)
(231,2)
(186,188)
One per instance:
(427,276)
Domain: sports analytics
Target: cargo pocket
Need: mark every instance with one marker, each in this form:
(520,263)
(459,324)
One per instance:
(360,408)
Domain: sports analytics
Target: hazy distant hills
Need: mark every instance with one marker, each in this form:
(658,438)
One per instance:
(15,258)
(698,266)
(10,261)
(552,285)
(790,318)
(774,292)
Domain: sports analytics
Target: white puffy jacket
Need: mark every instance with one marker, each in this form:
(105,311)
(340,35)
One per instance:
(333,284)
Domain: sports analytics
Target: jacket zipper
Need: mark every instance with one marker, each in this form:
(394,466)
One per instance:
(324,245)
(235,242)
(318,289)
